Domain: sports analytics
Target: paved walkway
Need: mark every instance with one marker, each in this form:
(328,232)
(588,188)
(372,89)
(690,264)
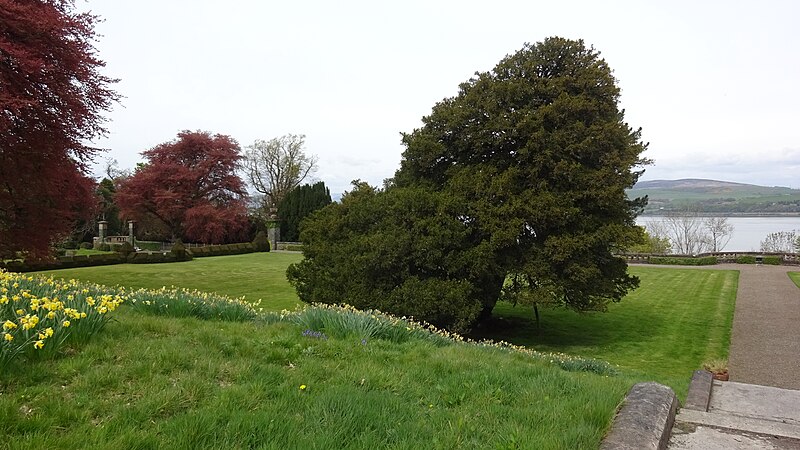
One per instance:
(760,407)
(765,342)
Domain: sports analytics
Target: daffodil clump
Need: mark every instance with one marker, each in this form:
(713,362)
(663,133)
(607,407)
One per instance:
(345,320)
(180,302)
(40,315)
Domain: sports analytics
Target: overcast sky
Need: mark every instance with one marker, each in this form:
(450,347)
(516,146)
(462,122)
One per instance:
(714,85)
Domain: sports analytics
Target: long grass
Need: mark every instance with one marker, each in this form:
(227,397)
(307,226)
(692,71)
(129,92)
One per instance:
(663,331)
(185,383)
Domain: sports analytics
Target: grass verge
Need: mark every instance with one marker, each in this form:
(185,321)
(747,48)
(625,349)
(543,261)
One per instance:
(795,277)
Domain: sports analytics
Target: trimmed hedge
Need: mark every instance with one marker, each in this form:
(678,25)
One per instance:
(63,262)
(223,249)
(149,245)
(67,262)
(151,258)
(746,259)
(773,260)
(683,261)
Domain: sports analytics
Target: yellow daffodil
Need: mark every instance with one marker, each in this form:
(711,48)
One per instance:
(9,325)
(66,324)
(8,337)
(38,344)
(302,387)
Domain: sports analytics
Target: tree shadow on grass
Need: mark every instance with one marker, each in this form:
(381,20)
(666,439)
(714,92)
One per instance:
(593,334)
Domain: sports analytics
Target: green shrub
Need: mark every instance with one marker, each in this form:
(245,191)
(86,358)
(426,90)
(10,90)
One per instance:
(149,245)
(124,249)
(81,260)
(104,247)
(261,242)
(69,245)
(86,245)
(178,251)
(16,265)
(683,261)
(746,259)
(773,260)
(294,248)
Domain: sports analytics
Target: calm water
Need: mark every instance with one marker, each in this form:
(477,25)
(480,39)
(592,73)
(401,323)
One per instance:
(748,232)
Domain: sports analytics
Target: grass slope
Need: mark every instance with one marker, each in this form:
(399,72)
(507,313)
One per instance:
(254,275)
(156,382)
(663,331)
(676,320)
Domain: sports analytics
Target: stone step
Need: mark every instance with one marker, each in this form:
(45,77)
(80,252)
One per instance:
(737,422)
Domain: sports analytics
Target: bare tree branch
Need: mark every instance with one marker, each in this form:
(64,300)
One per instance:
(277,166)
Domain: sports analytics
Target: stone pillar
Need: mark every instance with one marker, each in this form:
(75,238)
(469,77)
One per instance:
(102,229)
(131,238)
(273,229)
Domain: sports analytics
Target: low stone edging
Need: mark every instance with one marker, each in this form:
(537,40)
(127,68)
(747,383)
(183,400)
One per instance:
(645,419)
(699,391)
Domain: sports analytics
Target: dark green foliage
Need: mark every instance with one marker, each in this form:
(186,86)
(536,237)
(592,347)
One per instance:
(773,260)
(224,249)
(63,262)
(152,258)
(104,247)
(261,242)
(403,251)
(149,245)
(124,249)
(69,245)
(525,172)
(683,261)
(109,210)
(179,252)
(298,204)
(85,245)
(746,259)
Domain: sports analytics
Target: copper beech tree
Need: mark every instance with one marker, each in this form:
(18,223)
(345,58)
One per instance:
(52,95)
(190,187)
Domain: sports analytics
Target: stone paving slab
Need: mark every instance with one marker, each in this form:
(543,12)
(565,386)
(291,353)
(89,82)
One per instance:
(708,438)
(760,402)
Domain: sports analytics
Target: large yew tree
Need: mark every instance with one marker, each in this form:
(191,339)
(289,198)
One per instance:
(190,187)
(531,160)
(52,95)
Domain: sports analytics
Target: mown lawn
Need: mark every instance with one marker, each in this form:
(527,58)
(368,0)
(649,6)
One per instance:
(254,275)
(795,276)
(663,331)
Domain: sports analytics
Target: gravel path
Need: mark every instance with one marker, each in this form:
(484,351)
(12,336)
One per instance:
(765,342)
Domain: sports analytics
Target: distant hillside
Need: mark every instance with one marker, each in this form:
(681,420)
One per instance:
(713,196)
